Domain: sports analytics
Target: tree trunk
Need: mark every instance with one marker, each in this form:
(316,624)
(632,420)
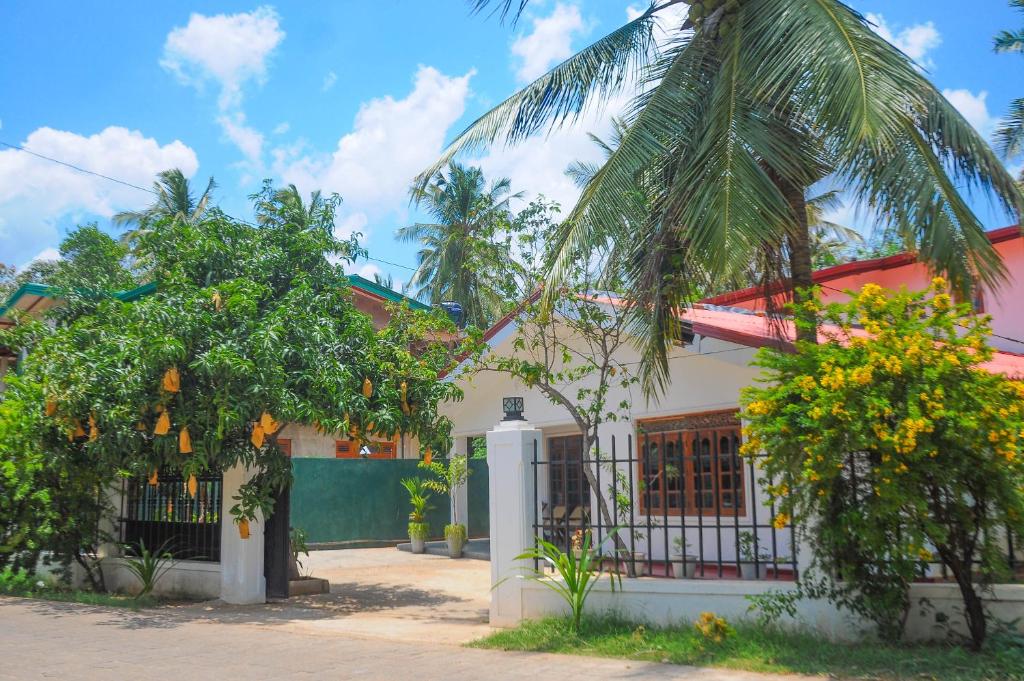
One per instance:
(801,268)
(602,506)
(974,609)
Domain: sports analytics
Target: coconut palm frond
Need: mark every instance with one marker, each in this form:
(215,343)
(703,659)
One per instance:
(592,75)
(1010,134)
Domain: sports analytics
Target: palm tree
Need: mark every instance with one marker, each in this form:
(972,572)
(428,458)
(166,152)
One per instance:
(830,242)
(1011,133)
(749,104)
(286,206)
(174,199)
(460,260)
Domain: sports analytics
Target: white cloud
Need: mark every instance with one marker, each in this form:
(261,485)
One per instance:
(367,271)
(329,80)
(549,43)
(352,224)
(391,141)
(282,127)
(230,49)
(248,140)
(668,20)
(35,194)
(916,41)
(974,108)
(50,253)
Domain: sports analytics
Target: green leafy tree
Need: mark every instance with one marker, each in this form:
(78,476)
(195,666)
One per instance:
(251,328)
(573,354)
(51,493)
(1010,135)
(732,123)
(895,448)
(461,257)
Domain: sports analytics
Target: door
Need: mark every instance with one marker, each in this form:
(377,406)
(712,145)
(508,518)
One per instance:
(277,555)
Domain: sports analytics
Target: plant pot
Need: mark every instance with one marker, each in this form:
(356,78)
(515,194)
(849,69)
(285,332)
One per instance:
(638,561)
(752,572)
(687,569)
(418,533)
(455,535)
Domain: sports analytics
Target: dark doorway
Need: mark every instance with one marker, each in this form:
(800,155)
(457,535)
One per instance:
(276,552)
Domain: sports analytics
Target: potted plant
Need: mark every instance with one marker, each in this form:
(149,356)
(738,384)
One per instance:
(449,477)
(749,567)
(687,569)
(419,528)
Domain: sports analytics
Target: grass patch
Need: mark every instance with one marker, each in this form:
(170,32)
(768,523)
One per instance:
(86,597)
(754,648)
(24,585)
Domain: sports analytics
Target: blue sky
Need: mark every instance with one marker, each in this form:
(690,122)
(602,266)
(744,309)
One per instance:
(354,97)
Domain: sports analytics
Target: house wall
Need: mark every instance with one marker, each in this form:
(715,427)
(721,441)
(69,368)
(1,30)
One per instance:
(706,376)
(308,442)
(1003,304)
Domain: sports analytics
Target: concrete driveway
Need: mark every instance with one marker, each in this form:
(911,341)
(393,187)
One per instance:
(47,640)
(386,593)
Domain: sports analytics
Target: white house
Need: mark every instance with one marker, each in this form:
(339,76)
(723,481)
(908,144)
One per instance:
(695,510)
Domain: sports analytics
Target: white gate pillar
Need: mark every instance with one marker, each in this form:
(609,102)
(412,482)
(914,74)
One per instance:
(510,451)
(241,560)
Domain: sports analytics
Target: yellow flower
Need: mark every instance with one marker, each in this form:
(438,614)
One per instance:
(925,554)
(781,520)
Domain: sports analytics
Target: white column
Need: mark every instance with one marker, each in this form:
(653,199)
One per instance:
(241,560)
(510,447)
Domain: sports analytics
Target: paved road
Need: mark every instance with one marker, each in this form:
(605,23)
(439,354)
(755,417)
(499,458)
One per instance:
(46,640)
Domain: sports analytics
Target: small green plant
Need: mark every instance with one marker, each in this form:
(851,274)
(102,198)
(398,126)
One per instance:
(149,566)
(17,582)
(455,531)
(449,476)
(576,576)
(746,541)
(712,628)
(298,546)
(418,498)
(419,528)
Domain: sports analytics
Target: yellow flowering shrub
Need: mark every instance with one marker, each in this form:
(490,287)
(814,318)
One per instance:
(894,436)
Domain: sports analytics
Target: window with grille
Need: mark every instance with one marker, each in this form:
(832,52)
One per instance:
(351,449)
(568,486)
(691,465)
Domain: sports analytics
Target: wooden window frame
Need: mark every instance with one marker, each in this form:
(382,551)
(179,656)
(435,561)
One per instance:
(687,428)
(343,449)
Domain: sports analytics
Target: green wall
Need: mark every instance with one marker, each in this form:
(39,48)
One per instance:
(361,500)
(478,499)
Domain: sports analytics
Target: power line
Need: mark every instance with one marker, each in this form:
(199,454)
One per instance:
(150,191)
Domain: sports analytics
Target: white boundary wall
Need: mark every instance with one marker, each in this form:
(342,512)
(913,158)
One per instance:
(672,601)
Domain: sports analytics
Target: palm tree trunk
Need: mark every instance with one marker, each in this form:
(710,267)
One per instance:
(800,266)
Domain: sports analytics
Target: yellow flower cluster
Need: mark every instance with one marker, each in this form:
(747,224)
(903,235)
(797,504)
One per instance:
(834,380)
(909,429)
(759,408)
(862,375)
(781,520)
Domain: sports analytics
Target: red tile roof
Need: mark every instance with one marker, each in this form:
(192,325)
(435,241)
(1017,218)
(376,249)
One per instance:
(848,269)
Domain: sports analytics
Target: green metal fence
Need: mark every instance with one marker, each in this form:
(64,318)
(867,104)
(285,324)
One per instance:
(360,501)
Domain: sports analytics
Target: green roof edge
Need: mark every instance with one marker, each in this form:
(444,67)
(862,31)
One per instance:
(376,289)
